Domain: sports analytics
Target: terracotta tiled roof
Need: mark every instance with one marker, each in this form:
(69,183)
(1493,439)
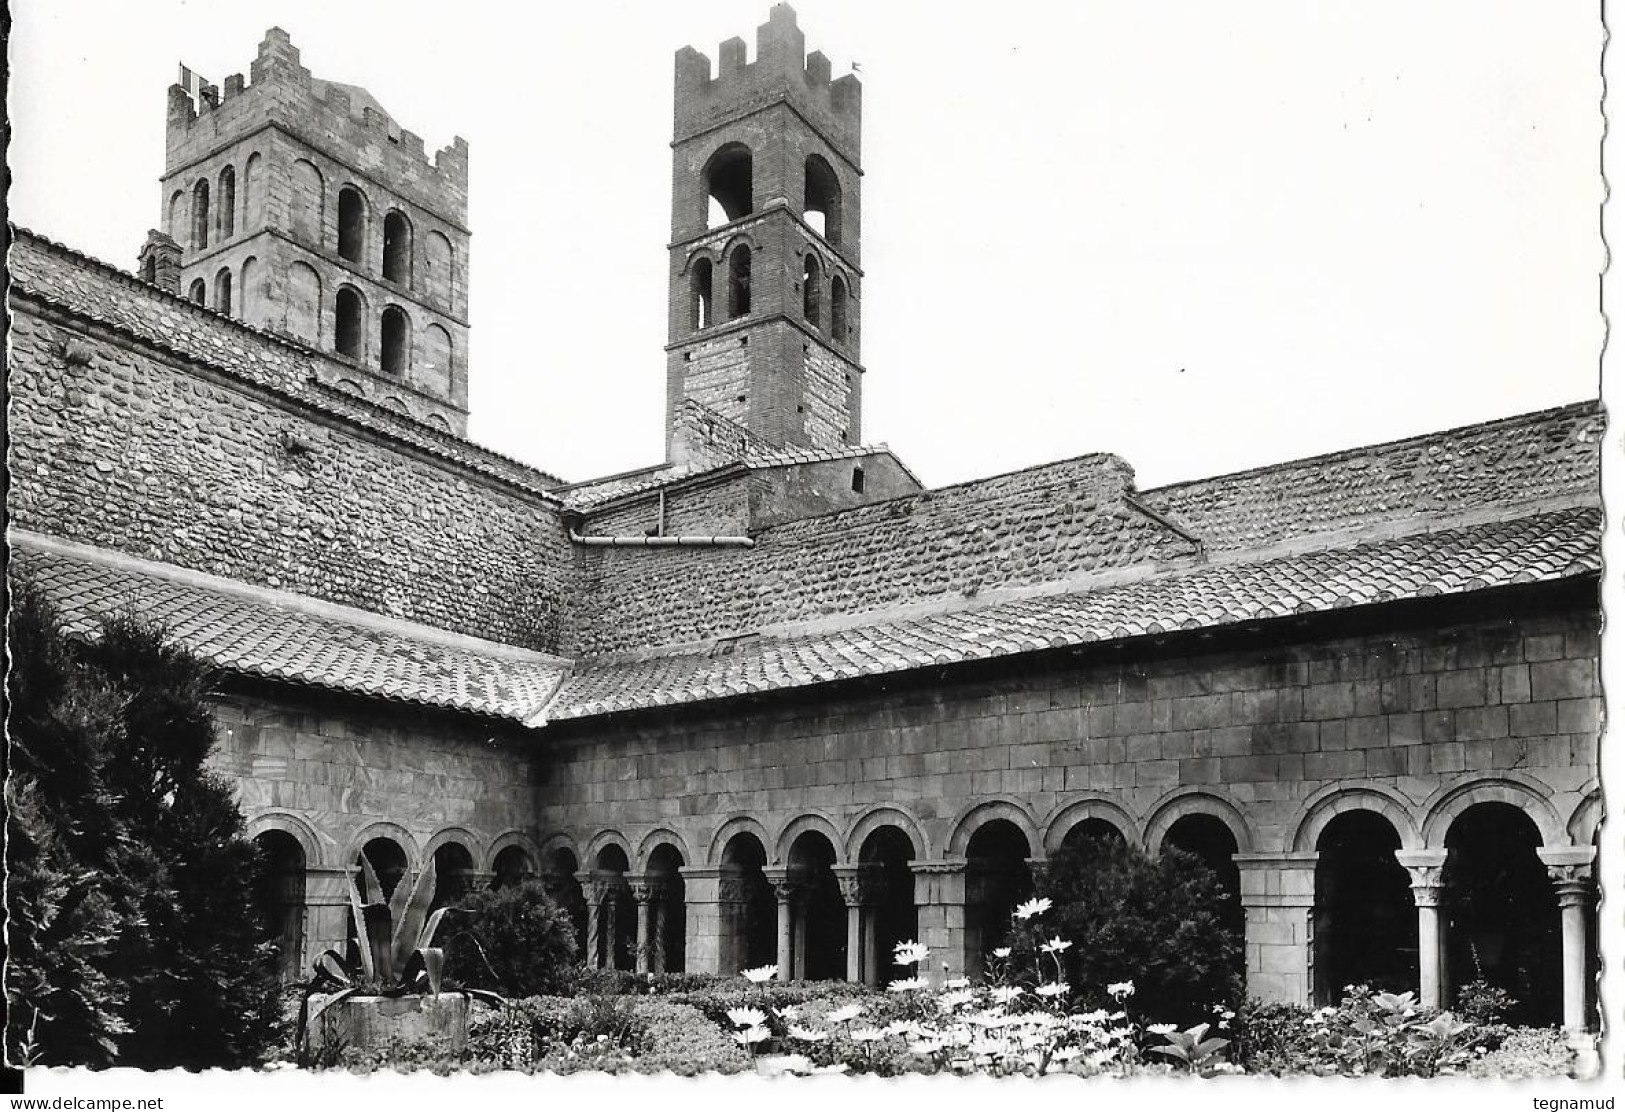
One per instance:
(1537,548)
(1524,460)
(285,637)
(592,493)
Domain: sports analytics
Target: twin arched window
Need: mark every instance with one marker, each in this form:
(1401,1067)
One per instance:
(349,330)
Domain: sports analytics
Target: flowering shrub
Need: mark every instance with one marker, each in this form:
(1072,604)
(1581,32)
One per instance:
(1389,1035)
(1022,1021)
(1526,1052)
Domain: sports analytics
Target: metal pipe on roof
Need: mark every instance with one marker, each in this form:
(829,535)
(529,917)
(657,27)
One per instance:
(662,542)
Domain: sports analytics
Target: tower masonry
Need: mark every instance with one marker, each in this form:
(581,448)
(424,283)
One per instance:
(300,206)
(765,275)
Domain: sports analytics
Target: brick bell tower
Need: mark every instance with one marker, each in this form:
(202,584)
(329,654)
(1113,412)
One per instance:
(765,275)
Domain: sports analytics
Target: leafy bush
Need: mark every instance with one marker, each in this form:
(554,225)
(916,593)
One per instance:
(1388,1035)
(132,938)
(1159,923)
(1275,1039)
(615,1034)
(1480,1002)
(676,1037)
(582,981)
(1526,1052)
(513,940)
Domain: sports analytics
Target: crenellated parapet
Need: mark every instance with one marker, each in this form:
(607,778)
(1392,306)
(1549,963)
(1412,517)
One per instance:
(342,120)
(783,70)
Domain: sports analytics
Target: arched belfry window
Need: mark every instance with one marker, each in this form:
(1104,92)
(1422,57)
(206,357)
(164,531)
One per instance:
(347,315)
(699,280)
(352,224)
(739,282)
(395,340)
(837,309)
(222,291)
(812,291)
(398,248)
(821,203)
(728,184)
(200,215)
(199,291)
(228,203)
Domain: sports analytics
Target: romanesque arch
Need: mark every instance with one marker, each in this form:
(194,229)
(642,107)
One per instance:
(514,840)
(611,919)
(456,853)
(883,816)
(1337,799)
(997,838)
(394,832)
(811,895)
(662,904)
(561,877)
(290,849)
(390,850)
(1512,788)
(885,849)
(1504,925)
(1185,802)
(310,841)
(1094,808)
(747,913)
(974,817)
(1365,926)
(735,825)
(653,840)
(801,824)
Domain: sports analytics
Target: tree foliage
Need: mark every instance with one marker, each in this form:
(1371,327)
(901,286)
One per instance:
(130,900)
(1159,922)
(513,940)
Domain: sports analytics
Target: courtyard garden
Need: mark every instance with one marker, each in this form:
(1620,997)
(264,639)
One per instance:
(137,940)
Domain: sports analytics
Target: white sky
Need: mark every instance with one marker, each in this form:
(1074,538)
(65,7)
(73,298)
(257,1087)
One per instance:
(1204,236)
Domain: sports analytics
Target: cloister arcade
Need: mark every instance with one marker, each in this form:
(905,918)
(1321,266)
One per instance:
(1484,882)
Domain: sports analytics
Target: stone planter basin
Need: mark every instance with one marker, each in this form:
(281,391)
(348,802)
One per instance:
(376,1021)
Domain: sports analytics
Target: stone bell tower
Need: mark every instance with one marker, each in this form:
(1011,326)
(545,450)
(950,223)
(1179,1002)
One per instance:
(765,275)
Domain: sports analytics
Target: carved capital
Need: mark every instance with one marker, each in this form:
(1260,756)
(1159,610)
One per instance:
(1572,883)
(1426,867)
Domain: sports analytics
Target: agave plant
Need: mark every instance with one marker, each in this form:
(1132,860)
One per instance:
(391,954)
